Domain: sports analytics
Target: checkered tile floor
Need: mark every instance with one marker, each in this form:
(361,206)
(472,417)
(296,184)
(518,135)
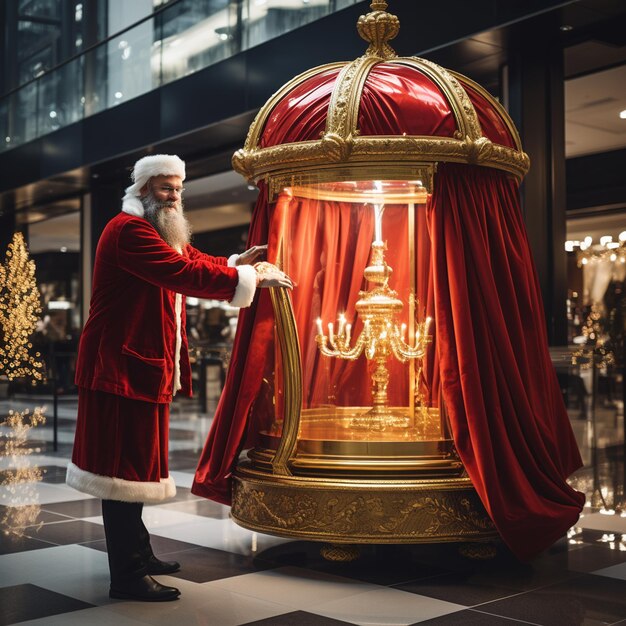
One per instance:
(53,569)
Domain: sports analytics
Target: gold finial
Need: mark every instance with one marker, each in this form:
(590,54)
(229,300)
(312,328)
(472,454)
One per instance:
(378,28)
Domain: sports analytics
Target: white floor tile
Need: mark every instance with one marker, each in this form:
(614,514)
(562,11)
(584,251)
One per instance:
(182,479)
(98,616)
(615,571)
(221,534)
(385,607)
(38,493)
(606,523)
(296,587)
(200,604)
(73,570)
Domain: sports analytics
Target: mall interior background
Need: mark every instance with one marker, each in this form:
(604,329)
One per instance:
(89,86)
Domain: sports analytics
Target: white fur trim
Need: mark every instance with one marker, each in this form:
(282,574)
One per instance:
(178,307)
(246,287)
(232,260)
(132,205)
(109,488)
(144,170)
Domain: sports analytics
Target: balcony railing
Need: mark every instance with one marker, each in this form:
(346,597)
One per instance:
(180,39)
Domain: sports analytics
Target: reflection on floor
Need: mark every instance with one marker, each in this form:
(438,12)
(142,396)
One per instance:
(53,566)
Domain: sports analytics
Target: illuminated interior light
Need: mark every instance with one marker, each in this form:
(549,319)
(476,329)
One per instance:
(605,239)
(118,94)
(53,114)
(622,236)
(622,114)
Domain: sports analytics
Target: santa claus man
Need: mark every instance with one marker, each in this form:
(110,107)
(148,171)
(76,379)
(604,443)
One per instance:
(133,359)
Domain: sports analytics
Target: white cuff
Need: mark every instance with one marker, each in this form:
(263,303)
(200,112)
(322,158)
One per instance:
(232,260)
(110,488)
(246,288)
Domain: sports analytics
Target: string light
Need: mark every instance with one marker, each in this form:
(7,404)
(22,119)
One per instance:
(606,250)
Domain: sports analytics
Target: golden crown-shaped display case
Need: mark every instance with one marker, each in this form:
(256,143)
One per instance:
(355,445)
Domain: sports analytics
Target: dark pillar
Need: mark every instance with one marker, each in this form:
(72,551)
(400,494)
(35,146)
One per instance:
(536,104)
(7,227)
(106,203)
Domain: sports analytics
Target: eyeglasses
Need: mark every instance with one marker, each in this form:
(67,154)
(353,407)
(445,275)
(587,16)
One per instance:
(168,190)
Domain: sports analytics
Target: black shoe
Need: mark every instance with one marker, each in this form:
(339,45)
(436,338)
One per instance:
(156,566)
(145,589)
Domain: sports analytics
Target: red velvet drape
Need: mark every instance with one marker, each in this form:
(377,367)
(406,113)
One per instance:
(508,420)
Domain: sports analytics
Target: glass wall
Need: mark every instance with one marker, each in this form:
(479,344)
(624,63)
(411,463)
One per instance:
(150,43)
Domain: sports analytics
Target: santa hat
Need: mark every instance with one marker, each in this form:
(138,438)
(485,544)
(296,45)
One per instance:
(144,170)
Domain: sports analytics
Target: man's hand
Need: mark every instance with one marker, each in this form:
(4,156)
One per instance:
(252,255)
(274,278)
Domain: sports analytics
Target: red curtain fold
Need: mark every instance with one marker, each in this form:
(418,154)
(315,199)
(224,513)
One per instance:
(507,415)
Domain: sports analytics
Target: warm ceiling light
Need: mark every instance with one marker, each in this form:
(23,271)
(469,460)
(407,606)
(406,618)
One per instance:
(622,114)
(622,236)
(565,28)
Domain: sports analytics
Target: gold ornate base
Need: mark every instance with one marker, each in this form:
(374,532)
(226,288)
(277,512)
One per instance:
(478,551)
(359,511)
(340,553)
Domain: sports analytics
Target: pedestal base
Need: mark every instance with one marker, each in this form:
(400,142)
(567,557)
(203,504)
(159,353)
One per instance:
(359,511)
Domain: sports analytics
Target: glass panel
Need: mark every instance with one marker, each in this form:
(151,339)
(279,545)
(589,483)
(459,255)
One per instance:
(59,97)
(359,252)
(124,67)
(266,19)
(25,115)
(196,35)
(5,135)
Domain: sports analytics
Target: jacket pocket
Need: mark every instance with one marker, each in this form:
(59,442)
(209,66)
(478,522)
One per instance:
(144,375)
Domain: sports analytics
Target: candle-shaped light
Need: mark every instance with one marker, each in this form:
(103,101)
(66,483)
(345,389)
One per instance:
(320,330)
(342,324)
(402,331)
(331,336)
(378,215)
(348,329)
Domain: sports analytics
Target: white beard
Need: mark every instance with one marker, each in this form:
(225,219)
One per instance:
(173,226)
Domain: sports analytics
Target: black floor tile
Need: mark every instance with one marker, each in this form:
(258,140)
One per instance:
(457,588)
(182,434)
(591,558)
(298,618)
(11,543)
(587,600)
(53,474)
(184,461)
(381,565)
(163,547)
(204,564)
(76,508)
(25,602)
(20,516)
(66,533)
(470,618)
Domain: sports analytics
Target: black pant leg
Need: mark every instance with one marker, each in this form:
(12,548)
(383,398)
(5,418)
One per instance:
(146,548)
(122,528)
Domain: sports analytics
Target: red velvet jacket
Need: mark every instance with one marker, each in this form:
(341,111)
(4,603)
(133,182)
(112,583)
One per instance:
(128,343)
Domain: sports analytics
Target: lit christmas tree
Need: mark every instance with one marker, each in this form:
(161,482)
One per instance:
(19,312)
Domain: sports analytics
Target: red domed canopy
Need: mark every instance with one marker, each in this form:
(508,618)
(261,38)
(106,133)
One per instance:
(379,109)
